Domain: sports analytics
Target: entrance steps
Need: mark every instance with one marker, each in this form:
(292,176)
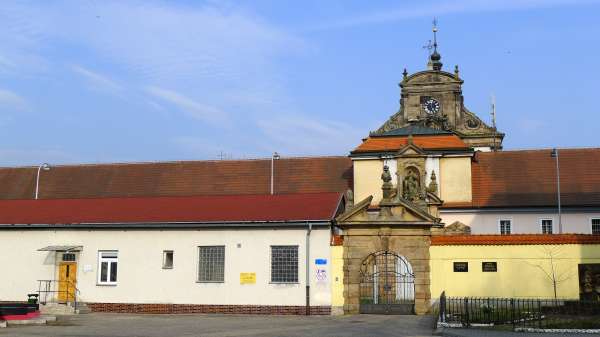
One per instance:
(64,309)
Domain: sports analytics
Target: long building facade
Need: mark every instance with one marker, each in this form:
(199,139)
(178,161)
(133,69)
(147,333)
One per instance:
(427,203)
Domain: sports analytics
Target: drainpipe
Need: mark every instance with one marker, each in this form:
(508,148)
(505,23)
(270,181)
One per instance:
(309,229)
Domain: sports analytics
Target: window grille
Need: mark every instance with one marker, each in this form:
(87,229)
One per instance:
(68,257)
(211,264)
(284,264)
(546,226)
(596,226)
(505,227)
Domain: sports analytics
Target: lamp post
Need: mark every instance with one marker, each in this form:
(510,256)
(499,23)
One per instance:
(45,167)
(274,157)
(554,154)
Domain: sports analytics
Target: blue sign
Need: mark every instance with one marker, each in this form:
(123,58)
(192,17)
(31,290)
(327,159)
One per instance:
(320,261)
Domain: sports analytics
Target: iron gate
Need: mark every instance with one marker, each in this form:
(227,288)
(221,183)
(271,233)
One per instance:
(387,285)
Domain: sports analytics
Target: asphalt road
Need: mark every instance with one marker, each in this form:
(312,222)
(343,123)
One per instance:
(126,325)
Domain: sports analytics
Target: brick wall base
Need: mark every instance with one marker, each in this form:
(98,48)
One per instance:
(144,308)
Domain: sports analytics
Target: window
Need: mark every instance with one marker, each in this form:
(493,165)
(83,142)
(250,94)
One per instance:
(284,264)
(211,267)
(546,226)
(107,267)
(167,259)
(68,257)
(596,226)
(461,267)
(505,227)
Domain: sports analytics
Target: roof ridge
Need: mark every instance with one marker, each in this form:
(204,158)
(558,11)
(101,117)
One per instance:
(175,161)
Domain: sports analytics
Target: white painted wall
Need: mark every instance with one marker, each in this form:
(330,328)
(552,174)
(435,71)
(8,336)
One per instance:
(141,278)
(522,223)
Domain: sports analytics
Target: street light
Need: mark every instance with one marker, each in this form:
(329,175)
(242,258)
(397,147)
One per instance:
(274,157)
(554,154)
(45,167)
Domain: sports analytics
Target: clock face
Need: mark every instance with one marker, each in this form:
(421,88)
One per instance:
(431,106)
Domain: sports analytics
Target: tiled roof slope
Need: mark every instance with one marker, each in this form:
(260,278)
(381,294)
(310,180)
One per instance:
(514,239)
(222,177)
(528,178)
(427,142)
(204,209)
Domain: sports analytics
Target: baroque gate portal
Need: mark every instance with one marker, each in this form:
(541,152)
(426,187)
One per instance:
(387,285)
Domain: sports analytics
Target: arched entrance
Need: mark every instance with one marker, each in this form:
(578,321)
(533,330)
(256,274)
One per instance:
(387,285)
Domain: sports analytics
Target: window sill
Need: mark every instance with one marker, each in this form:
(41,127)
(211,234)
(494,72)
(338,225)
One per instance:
(284,283)
(106,284)
(167,267)
(210,282)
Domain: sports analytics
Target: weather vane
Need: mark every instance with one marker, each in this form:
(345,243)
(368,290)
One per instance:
(432,46)
(434,34)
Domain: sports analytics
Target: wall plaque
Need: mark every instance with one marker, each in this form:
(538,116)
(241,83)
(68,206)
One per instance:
(461,267)
(489,267)
(247,278)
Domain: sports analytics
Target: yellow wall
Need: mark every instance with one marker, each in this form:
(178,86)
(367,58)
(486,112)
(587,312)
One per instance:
(367,179)
(519,272)
(455,179)
(337,279)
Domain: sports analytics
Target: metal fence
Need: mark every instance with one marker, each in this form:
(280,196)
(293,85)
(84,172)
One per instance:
(519,312)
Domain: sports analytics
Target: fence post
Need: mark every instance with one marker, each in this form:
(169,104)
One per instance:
(512,312)
(443,307)
(540,313)
(467,311)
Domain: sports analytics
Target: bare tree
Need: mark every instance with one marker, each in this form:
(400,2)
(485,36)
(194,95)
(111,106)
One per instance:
(551,269)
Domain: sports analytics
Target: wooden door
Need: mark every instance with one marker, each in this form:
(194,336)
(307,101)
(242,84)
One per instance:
(67,279)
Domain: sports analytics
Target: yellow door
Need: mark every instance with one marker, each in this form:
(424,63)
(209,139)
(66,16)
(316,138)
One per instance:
(67,279)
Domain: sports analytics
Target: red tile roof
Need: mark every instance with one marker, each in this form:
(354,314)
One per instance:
(515,239)
(211,177)
(427,142)
(231,208)
(528,178)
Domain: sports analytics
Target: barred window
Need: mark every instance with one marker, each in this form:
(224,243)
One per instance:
(211,266)
(546,226)
(284,264)
(505,227)
(596,226)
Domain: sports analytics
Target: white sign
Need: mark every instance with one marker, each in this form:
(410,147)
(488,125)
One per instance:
(321,275)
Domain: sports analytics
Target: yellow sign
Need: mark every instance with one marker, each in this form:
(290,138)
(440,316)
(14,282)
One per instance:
(247,278)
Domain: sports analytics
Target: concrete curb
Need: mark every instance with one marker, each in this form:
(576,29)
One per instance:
(2,324)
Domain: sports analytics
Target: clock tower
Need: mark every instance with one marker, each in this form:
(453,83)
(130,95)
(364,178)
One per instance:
(433,98)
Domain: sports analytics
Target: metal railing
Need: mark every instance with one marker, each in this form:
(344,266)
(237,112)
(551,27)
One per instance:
(519,312)
(49,291)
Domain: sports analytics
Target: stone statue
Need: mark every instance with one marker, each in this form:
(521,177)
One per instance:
(349,199)
(386,176)
(410,186)
(387,187)
(433,186)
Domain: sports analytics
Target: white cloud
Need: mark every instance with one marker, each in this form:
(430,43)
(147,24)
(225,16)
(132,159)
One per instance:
(12,100)
(97,80)
(429,9)
(189,106)
(295,134)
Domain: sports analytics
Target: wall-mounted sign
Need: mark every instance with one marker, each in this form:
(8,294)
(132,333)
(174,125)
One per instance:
(321,275)
(461,267)
(247,278)
(489,267)
(320,261)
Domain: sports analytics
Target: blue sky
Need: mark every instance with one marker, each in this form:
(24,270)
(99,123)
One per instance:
(105,81)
